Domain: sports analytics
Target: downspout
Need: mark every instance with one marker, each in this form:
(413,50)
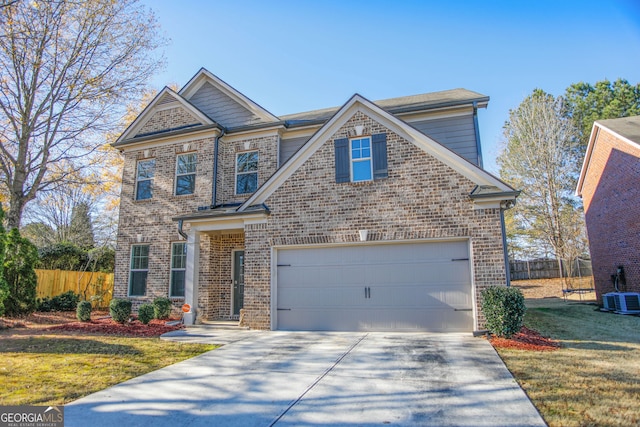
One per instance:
(477,130)
(504,244)
(180,231)
(214,185)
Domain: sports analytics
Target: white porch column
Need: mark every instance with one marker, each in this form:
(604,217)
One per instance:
(191,276)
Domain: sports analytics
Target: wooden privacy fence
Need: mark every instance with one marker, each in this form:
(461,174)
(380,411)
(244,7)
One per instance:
(94,287)
(548,269)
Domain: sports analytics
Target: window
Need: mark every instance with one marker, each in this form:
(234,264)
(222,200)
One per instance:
(361,159)
(144,179)
(139,270)
(246,172)
(178,266)
(186,174)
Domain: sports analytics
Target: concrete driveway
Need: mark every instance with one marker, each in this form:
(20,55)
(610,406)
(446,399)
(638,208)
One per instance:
(316,378)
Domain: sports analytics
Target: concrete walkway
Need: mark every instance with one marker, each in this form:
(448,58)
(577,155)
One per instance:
(315,378)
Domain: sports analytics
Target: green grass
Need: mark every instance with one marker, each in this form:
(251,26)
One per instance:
(594,379)
(56,369)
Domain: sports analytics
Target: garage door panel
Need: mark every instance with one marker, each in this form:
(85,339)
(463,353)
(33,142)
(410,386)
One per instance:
(422,286)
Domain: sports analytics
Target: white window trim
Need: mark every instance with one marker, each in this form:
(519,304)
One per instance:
(132,270)
(172,269)
(144,179)
(235,183)
(175,184)
(370,158)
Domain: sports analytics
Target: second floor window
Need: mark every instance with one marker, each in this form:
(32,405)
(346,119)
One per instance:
(246,172)
(144,179)
(186,173)
(361,160)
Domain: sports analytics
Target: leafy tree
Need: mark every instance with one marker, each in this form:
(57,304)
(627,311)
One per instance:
(81,227)
(4,287)
(539,158)
(586,103)
(67,68)
(20,258)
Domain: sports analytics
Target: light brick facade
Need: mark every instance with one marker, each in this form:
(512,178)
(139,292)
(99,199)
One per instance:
(611,197)
(423,198)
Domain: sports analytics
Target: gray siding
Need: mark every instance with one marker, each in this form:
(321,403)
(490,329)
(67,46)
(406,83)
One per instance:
(455,133)
(221,108)
(289,146)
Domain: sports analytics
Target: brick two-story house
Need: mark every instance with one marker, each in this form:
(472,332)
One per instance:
(608,185)
(370,216)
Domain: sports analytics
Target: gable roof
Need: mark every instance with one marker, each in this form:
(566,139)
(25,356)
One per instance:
(204,76)
(359,103)
(165,98)
(627,129)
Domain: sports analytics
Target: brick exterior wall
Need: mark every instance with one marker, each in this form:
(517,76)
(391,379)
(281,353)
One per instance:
(267,164)
(611,197)
(422,198)
(170,118)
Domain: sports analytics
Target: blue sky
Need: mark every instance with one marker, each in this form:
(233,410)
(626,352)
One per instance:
(294,56)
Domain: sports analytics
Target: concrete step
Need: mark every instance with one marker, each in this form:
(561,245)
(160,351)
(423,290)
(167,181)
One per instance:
(233,325)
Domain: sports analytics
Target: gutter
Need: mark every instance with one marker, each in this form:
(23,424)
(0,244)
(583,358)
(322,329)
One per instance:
(505,251)
(214,184)
(477,130)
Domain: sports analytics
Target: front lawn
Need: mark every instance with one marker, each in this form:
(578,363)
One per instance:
(43,366)
(594,378)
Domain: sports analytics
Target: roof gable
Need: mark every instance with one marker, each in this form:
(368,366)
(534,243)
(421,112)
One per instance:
(222,102)
(626,129)
(166,99)
(359,103)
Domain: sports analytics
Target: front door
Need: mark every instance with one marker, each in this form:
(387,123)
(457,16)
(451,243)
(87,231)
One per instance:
(238,282)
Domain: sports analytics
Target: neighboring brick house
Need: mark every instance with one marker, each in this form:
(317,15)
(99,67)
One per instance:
(348,218)
(609,185)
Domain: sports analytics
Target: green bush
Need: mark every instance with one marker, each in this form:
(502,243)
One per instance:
(67,301)
(503,308)
(146,313)
(120,310)
(83,312)
(21,280)
(162,307)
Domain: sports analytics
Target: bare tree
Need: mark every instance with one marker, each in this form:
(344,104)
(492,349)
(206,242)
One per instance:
(67,69)
(539,158)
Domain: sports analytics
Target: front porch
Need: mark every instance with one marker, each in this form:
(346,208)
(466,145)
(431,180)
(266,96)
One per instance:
(214,276)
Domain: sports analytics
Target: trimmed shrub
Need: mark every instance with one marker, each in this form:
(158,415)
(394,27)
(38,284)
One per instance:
(503,308)
(146,313)
(162,307)
(120,310)
(83,312)
(67,301)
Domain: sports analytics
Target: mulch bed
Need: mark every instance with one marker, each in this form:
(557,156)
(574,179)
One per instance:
(107,326)
(39,323)
(526,339)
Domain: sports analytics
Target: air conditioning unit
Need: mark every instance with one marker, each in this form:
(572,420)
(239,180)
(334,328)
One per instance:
(609,301)
(627,302)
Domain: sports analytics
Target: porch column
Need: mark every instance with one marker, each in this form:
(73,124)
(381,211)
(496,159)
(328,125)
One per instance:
(191,276)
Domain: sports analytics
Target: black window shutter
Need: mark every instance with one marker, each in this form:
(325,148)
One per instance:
(379,143)
(342,160)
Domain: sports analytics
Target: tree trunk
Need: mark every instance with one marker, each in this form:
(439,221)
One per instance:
(14,216)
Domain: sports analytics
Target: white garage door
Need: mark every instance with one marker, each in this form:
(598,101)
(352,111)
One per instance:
(388,287)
